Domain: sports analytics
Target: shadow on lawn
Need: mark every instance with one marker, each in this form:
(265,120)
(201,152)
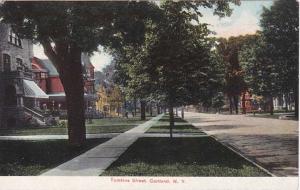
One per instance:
(164,119)
(181,157)
(33,157)
(185,126)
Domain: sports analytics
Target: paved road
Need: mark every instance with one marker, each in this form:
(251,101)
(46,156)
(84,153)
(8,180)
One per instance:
(272,143)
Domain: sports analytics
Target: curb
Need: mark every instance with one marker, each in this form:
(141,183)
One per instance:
(251,160)
(237,151)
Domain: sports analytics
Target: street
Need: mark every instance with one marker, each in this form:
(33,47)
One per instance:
(272,143)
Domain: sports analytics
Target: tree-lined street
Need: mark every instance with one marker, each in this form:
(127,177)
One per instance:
(130,118)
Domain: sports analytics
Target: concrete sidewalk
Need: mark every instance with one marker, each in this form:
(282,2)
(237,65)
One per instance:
(92,136)
(54,137)
(271,143)
(96,160)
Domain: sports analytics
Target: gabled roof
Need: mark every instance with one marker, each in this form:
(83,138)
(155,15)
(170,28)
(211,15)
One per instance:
(48,65)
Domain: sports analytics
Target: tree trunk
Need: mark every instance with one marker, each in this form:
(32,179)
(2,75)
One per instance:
(125,108)
(244,103)
(286,102)
(182,112)
(176,109)
(68,64)
(230,105)
(151,110)
(143,110)
(70,74)
(296,96)
(134,104)
(171,117)
(158,110)
(236,104)
(271,105)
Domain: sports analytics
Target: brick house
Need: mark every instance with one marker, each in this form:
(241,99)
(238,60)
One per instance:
(47,78)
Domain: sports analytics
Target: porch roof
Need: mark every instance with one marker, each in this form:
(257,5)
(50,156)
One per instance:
(32,90)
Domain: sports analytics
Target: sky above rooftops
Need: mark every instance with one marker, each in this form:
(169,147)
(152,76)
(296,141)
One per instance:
(244,20)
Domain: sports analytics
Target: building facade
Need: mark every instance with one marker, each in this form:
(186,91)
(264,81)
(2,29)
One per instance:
(29,86)
(16,83)
(110,101)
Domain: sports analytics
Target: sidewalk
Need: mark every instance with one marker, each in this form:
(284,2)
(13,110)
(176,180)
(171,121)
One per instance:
(272,143)
(91,136)
(96,160)
(55,137)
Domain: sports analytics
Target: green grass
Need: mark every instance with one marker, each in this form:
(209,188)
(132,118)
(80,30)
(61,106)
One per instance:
(23,158)
(106,125)
(181,126)
(181,157)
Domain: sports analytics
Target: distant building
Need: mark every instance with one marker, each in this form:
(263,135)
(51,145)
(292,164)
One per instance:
(18,92)
(110,100)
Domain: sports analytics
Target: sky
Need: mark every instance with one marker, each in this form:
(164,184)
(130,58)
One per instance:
(244,20)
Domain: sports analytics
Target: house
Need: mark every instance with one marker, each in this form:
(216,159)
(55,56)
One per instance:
(47,78)
(18,92)
(110,100)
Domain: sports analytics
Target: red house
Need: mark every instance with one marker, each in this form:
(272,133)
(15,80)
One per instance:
(47,78)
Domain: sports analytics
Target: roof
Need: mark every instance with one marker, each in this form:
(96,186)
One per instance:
(52,71)
(47,64)
(32,90)
(62,96)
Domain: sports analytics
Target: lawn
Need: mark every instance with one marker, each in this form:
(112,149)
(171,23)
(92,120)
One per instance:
(106,125)
(23,158)
(181,157)
(181,126)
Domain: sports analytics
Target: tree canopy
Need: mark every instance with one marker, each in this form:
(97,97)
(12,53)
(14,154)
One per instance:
(66,29)
(174,64)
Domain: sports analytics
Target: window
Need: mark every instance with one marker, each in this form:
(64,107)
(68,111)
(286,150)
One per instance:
(6,62)
(14,39)
(43,75)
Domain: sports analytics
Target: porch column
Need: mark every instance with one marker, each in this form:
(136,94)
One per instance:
(20,102)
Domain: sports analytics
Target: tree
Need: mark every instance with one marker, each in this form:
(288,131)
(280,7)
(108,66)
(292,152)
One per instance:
(66,29)
(172,64)
(234,74)
(280,30)
(179,56)
(218,102)
(261,75)
(131,75)
(216,85)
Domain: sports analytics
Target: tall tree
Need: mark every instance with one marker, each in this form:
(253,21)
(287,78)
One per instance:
(261,75)
(66,29)
(280,30)
(179,56)
(235,84)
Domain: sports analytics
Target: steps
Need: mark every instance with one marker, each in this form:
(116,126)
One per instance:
(37,116)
